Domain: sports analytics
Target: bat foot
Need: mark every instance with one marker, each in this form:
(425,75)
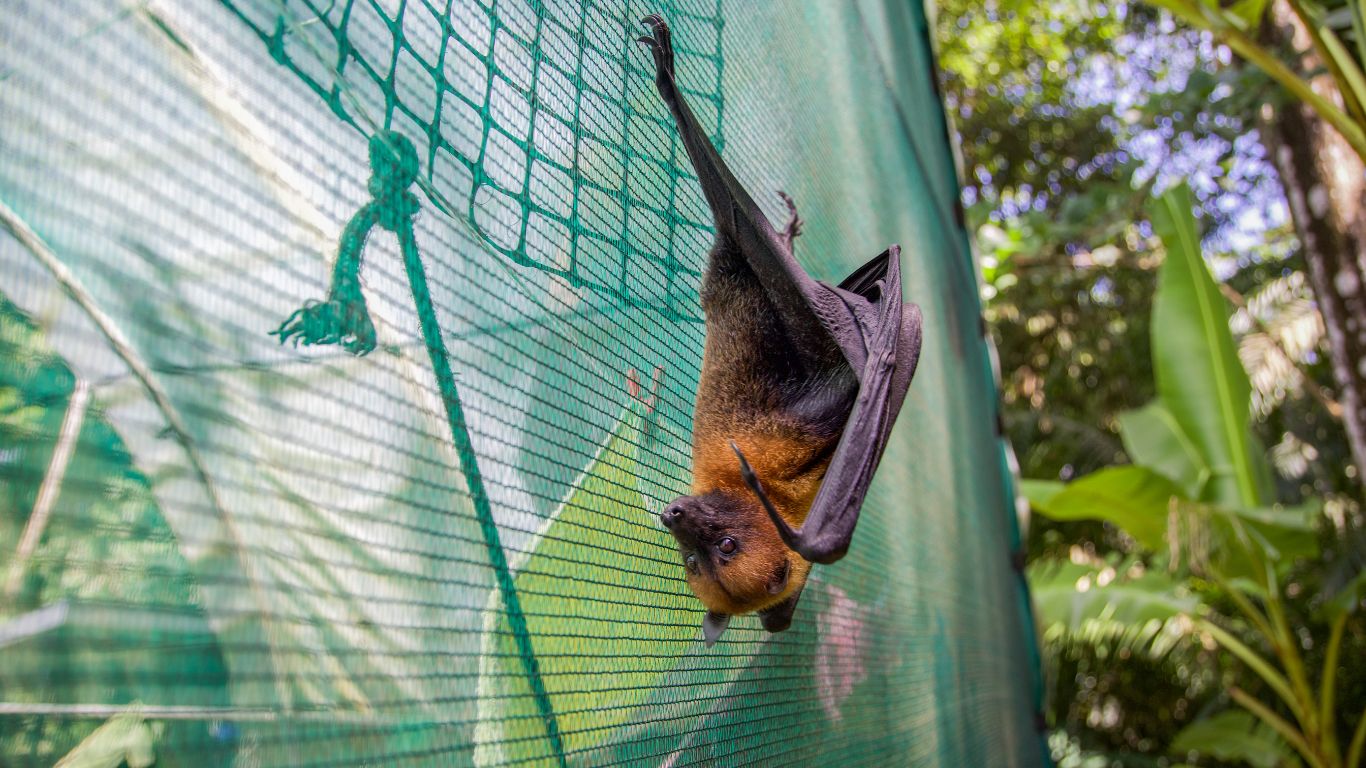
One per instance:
(633,389)
(794,222)
(660,43)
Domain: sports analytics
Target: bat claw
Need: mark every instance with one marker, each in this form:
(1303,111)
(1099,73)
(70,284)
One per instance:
(794,222)
(661,46)
(746,471)
(790,537)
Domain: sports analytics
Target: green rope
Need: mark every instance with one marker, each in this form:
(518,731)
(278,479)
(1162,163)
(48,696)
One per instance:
(343,319)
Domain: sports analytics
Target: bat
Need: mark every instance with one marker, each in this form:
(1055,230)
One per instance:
(800,385)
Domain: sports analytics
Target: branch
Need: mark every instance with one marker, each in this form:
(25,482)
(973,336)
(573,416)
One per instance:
(51,485)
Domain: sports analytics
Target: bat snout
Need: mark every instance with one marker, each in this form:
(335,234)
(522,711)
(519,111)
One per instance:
(671,515)
(680,512)
(685,518)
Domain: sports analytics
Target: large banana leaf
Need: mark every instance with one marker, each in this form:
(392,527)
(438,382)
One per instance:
(1106,605)
(1154,439)
(1134,499)
(1236,543)
(1200,379)
(1234,736)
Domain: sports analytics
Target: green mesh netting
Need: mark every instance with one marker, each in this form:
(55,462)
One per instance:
(347,352)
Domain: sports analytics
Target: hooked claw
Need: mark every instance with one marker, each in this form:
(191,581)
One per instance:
(790,536)
(660,45)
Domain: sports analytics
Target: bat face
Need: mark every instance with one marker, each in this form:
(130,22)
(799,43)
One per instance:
(734,559)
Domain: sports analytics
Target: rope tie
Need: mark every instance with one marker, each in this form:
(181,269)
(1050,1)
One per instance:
(343,317)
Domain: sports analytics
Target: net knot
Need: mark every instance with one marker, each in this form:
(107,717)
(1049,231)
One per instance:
(342,319)
(394,168)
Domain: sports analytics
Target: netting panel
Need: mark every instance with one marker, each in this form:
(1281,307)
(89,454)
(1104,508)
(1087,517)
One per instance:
(428,537)
(512,115)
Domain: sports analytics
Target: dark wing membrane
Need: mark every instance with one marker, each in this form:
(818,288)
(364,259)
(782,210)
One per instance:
(738,218)
(885,333)
(865,278)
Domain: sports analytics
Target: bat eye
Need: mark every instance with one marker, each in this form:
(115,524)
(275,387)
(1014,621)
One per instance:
(691,562)
(726,545)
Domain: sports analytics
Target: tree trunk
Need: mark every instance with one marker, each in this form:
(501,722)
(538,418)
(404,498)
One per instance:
(1325,187)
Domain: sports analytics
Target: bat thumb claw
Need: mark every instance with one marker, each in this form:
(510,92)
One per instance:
(746,471)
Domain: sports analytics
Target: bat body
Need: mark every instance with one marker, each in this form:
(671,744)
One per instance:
(800,385)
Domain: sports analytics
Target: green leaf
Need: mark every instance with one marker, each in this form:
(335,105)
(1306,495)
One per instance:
(1238,546)
(1135,499)
(1351,78)
(1234,736)
(1348,598)
(1110,610)
(1358,25)
(125,739)
(1153,439)
(600,654)
(1040,492)
(1199,377)
(1284,532)
(1068,595)
(1247,13)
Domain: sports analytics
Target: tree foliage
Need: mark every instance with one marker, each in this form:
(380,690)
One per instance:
(1072,115)
(138,560)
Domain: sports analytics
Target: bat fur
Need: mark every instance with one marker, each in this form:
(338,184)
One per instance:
(799,387)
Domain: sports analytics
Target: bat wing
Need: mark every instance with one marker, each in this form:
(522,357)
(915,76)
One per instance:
(739,220)
(879,335)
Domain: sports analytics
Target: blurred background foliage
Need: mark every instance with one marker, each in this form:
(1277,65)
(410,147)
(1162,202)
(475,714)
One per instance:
(164,648)
(1197,586)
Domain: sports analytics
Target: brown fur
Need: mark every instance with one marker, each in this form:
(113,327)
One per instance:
(775,383)
(739,399)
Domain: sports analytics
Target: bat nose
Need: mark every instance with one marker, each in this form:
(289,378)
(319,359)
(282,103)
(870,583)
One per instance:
(671,515)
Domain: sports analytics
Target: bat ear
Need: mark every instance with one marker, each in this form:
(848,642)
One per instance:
(779,617)
(713,624)
(778,582)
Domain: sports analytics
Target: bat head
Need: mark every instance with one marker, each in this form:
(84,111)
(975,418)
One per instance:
(734,559)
